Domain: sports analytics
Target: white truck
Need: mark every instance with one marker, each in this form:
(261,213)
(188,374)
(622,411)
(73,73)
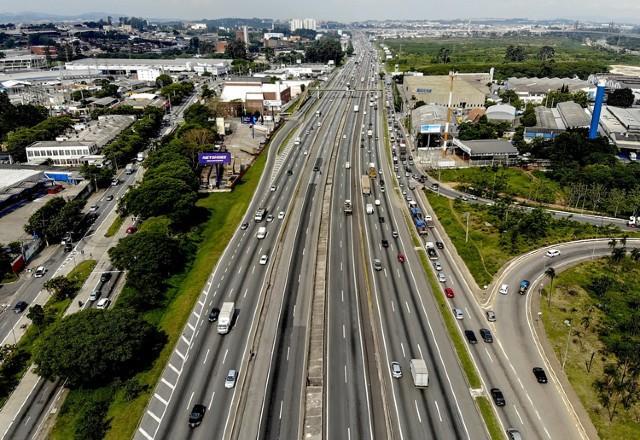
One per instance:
(225,317)
(356,108)
(370,133)
(262,232)
(369,208)
(129,169)
(297,141)
(141,156)
(419,372)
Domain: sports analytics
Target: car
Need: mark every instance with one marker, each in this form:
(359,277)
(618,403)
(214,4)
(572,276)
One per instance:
(381,219)
(401,258)
(103,303)
(344,136)
(458,313)
(471,336)
(244,226)
(132,229)
(441,277)
(382,189)
(377,202)
(109,197)
(439,245)
(408,198)
(396,370)
(40,271)
(504,289)
(377,264)
(104,277)
(491,316)
(263,259)
(385,243)
(305,153)
(213,315)
(497,396)
(196,415)
(514,434)
(289,172)
(449,292)
(115,182)
(280,215)
(404,193)
(552,253)
(95,294)
(68,247)
(273,188)
(486,336)
(437,266)
(540,375)
(394,234)
(93,209)
(20,306)
(230,379)
(269,218)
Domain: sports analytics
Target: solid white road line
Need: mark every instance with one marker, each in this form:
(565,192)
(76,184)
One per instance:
(190,398)
(206,356)
(418,411)
(438,409)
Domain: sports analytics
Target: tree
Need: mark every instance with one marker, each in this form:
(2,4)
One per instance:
(324,50)
(161,196)
(528,118)
(236,50)
(443,56)
(198,114)
(621,98)
(61,287)
(101,176)
(40,222)
(36,315)
(618,254)
(163,80)
(93,347)
(551,274)
(515,54)
(635,254)
(419,104)
(546,53)
(349,49)
(511,97)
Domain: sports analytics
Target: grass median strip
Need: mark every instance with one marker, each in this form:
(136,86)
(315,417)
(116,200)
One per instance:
(493,426)
(115,226)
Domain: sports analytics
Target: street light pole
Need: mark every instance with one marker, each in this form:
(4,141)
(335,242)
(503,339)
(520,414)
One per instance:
(466,238)
(566,348)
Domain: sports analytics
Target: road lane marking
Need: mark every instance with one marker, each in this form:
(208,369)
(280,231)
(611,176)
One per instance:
(342,295)
(345,374)
(178,372)
(143,432)
(167,383)
(159,397)
(180,354)
(215,292)
(280,416)
(288,349)
(393,306)
(408,309)
(191,326)
(225,356)
(518,414)
(185,339)
(404,354)
(211,400)
(420,350)
(418,411)
(438,409)
(344,336)
(253,270)
(206,356)
(489,355)
(245,292)
(154,417)
(240,270)
(189,404)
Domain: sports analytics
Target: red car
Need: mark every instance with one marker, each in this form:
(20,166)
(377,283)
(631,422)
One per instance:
(449,292)
(401,258)
(132,229)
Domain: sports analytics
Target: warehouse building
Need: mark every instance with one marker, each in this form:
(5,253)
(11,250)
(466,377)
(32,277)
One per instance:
(486,152)
(467,92)
(553,121)
(622,126)
(501,113)
(534,90)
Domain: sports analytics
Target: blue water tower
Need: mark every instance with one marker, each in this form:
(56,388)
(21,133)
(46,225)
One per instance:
(597,108)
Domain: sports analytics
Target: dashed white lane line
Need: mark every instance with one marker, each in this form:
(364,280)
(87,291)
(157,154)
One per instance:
(438,409)
(518,414)
(345,375)
(408,309)
(206,356)
(488,354)
(420,350)
(225,356)
(418,411)
(344,333)
(404,354)
(245,292)
(281,404)
(211,400)
(167,383)
(190,398)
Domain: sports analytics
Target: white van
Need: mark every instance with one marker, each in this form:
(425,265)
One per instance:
(369,208)
(262,232)
(347,165)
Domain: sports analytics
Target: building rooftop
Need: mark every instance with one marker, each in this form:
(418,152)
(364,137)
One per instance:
(487,147)
(10,178)
(549,118)
(540,86)
(573,115)
(99,132)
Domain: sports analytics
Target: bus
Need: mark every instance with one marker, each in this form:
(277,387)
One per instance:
(372,171)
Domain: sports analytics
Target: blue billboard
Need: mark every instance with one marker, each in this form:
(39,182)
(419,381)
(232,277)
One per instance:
(431,128)
(214,158)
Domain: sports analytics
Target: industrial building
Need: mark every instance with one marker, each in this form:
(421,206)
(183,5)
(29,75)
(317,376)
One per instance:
(467,93)
(81,145)
(553,121)
(428,124)
(622,126)
(534,90)
(150,69)
(22,62)
(252,95)
(19,185)
(486,152)
(501,113)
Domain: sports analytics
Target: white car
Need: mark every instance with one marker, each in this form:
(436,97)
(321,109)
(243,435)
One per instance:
(441,277)
(264,259)
(504,289)
(280,215)
(103,303)
(377,202)
(552,253)
(458,313)
(273,188)
(396,370)
(40,271)
(230,380)
(344,136)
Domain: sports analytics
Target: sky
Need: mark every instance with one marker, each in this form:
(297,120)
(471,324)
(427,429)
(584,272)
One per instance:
(340,10)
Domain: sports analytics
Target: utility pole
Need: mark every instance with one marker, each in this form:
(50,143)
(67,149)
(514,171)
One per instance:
(466,238)
(452,75)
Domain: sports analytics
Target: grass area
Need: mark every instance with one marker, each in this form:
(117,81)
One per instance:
(54,311)
(571,301)
(488,248)
(478,54)
(115,226)
(227,210)
(464,357)
(9,277)
(534,186)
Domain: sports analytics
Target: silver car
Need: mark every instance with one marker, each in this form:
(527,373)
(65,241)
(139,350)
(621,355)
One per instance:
(230,380)
(441,277)
(458,313)
(396,370)
(377,264)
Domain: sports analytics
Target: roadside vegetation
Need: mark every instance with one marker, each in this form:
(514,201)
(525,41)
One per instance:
(15,359)
(168,260)
(511,55)
(115,226)
(592,324)
(500,232)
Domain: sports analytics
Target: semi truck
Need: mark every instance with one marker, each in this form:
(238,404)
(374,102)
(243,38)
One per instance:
(431,251)
(225,317)
(366,185)
(419,372)
(348,209)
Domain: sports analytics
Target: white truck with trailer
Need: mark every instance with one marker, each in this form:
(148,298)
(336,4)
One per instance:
(225,318)
(419,372)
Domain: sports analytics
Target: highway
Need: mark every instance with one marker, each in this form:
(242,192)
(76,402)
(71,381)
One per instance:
(410,325)
(201,359)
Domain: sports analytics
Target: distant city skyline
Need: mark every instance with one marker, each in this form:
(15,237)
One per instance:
(354,10)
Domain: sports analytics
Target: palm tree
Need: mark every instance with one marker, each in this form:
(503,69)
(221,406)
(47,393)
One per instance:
(623,240)
(551,274)
(635,254)
(613,243)
(618,254)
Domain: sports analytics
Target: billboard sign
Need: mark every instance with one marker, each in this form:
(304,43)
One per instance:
(431,128)
(214,158)
(247,119)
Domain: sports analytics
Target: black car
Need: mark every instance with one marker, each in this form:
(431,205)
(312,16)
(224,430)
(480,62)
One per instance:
(289,172)
(471,336)
(105,276)
(20,306)
(439,245)
(486,335)
(213,316)
(68,247)
(381,219)
(497,396)
(196,416)
(244,226)
(385,243)
(109,197)
(381,182)
(540,375)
